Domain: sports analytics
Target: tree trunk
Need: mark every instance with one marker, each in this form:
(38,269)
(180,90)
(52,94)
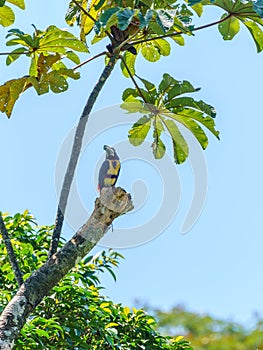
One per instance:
(112,203)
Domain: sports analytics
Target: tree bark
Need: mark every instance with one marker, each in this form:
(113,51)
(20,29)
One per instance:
(112,203)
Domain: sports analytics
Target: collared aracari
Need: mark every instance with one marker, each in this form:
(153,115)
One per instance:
(110,168)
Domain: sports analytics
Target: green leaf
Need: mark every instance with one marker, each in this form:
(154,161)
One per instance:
(139,131)
(158,146)
(145,20)
(55,80)
(165,19)
(135,107)
(179,39)
(10,92)
(151,88)
(189,123)
(72,14)
(207,121)
(150,52)
(198,8)
(7,16)
(106,16)
(110,340)
(179,88)
(73,57)
(229,28)
(163,46)
(42,333)
(125,17)
(182,102)
(33,72)
(256,33)
(14,55)
(180,146)
(167,82)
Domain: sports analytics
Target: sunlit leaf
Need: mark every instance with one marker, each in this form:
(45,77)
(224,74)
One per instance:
(150,52)
(139,131)
(7,16)
(165,19)
(181,102)
(9,93)
(129,59)
(158,146)
(163,46)
(184,118)
(18,3)
(15,54)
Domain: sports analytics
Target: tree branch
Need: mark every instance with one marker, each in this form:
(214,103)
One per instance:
(75,153)
(89,15)
(90,59)
(182,32)
(112,203)
(132,78)
(10,252)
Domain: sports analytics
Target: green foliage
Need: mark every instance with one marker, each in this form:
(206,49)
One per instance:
(249,13)
(74,315)
(162,108)
(207,332)
(47,72)
(7,15)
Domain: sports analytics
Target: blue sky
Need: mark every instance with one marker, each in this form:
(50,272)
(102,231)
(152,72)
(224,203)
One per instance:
(216,266)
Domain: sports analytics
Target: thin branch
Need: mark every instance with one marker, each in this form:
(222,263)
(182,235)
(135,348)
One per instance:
(10,252)
(132,78)
(90,59)
(75,153)
(182,32)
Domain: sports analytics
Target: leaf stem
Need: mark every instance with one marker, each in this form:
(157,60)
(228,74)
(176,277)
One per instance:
(10,252)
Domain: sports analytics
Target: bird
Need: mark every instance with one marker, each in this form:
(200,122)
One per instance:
(110,168)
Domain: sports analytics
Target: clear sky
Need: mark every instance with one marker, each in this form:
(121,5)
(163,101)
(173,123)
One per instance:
(216,266)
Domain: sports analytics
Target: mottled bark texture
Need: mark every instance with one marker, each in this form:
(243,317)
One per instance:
(112,203)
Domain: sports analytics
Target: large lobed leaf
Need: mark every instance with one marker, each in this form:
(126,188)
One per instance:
(163,108)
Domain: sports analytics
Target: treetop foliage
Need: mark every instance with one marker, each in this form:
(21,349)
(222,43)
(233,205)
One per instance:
(132,28)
